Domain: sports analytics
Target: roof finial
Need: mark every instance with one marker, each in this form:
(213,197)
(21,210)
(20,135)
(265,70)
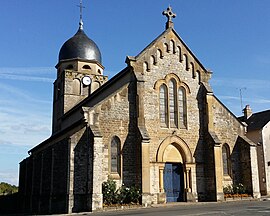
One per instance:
(169,14)
(81,11)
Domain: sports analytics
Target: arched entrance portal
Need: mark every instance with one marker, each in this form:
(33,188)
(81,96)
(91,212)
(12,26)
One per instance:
(175,169)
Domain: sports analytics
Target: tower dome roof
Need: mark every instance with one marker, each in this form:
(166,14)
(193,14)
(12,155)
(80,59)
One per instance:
(80,46)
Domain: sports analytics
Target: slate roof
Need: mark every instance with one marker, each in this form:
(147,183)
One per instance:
(257,120)
(80,46)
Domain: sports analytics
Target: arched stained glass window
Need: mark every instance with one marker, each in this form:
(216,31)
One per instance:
(172,103)
(163,106)
(182,107)
(225,159)
(115,155)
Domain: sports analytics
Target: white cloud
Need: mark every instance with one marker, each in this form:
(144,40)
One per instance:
(26,78)
(25,119)
(27,70)
(29,74)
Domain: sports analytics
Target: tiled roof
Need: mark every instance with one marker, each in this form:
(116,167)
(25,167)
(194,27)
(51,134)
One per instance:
(257,120)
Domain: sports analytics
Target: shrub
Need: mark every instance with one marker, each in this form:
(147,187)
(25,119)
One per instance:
(234,189)
(109,192)
(124,195)
(228,189)
(239,189)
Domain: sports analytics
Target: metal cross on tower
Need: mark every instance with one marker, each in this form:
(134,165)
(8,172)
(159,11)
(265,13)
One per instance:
(81,11)
(169,14)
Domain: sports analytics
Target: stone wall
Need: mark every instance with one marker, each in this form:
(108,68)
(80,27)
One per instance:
(117,117)
(153,69)
(81,183)
(43,180)
(266,148)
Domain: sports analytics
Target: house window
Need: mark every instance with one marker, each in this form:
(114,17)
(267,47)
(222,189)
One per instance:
(172,105)
(182,109)
(115,155)
(225,159)
(163,106)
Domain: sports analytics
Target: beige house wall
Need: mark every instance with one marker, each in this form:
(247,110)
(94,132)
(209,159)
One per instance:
(266,148)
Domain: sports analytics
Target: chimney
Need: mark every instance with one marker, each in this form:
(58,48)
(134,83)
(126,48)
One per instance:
(247,112)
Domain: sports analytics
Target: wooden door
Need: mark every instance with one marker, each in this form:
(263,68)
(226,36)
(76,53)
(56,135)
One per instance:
(174,182)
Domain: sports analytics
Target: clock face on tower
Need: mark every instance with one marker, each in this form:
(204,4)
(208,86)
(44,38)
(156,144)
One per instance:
(86,80)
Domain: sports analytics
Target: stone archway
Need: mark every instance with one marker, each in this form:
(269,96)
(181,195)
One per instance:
(179,144)
(173,149)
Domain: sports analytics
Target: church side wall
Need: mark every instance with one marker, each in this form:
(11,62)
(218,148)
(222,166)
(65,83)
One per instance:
(46,180)
(225,124)
(81,170)
(228,129)
(117,117)
(25,184)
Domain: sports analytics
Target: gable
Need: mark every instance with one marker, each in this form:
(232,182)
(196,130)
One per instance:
(169,42)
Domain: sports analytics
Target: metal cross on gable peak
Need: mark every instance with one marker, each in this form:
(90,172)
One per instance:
(169,14)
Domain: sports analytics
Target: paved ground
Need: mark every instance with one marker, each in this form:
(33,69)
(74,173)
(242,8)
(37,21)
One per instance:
(239,208)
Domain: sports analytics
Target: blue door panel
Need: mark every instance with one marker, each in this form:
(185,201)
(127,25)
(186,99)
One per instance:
(173,182)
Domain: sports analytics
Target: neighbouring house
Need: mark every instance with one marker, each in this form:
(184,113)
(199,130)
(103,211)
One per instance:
(258,130)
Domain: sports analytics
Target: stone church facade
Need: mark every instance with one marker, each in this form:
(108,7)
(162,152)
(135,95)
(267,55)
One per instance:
(156,124)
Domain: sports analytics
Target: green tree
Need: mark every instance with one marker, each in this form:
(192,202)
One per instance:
(6,189)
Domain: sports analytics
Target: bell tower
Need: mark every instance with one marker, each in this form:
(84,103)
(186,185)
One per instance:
(79,73)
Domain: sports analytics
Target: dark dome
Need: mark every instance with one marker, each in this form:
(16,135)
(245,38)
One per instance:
(80,46)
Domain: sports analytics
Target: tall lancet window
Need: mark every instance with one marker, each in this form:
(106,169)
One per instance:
(182,108)
(115,155)
(225,159)
(163,106)
(173,103)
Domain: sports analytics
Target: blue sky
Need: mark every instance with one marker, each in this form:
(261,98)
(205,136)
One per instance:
(229,37)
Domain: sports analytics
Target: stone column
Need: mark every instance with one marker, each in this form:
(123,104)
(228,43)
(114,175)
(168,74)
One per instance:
(190,183)
(218,172)
(97,197)
(70,176)
(161,183)
(162,194)
(187,180)
(146,198)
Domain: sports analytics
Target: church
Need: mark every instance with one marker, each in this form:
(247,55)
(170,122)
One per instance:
(156,124)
